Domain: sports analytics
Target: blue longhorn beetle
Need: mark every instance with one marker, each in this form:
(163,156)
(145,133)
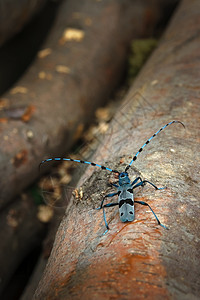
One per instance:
(124,187)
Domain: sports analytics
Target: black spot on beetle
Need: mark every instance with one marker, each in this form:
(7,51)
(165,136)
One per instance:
(126,201)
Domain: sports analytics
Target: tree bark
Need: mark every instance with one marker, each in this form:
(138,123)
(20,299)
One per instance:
(82,62)
(32,119)
(141,259)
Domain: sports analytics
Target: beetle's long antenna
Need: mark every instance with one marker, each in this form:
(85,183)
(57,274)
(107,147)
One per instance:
(78,161)
(148,141)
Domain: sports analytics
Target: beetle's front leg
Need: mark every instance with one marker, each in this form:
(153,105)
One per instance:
(106,196)
(136,180)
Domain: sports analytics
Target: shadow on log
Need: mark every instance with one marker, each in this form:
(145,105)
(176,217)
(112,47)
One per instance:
(21,232)
(141,259)
(15,14)
(18,53)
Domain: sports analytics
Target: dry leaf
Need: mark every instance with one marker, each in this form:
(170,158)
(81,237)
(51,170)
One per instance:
(45,213)
(19,90)
(72,34)
(63,69)
(44,52)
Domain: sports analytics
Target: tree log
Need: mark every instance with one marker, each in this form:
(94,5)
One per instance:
(20,129)
(15,14)
(19,52)
(82,62)
(21,232)
(141,259)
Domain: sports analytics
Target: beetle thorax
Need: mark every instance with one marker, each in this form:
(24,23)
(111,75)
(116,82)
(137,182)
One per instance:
(123,178)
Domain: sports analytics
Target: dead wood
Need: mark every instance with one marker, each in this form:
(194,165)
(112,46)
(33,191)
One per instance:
(78,67)
(33,121)
(141,259)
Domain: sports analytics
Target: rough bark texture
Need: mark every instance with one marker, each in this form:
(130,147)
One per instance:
(141,259)
(15,14)
(55,98)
